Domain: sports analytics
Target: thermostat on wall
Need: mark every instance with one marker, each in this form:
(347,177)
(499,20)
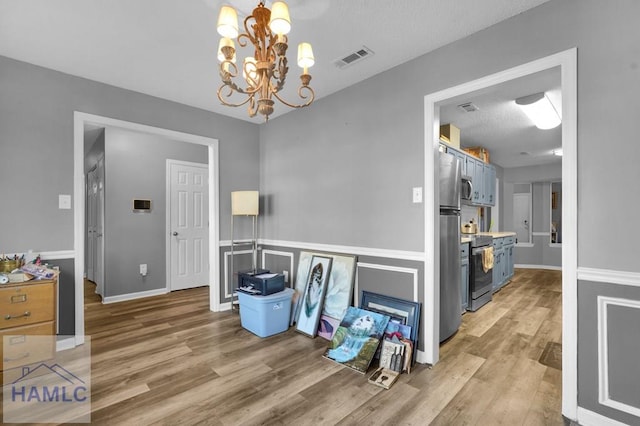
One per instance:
(143,206)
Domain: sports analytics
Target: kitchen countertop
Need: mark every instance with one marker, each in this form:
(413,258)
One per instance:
(464,239)
(499,234)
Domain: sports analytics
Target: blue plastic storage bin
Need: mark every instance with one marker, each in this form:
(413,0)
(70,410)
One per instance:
(265,315)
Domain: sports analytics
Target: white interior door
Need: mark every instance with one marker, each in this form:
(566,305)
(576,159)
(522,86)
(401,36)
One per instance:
(99,229)
(92,191)
(522,217)
(189,227)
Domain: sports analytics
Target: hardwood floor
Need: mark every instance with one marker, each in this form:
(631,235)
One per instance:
(169,360)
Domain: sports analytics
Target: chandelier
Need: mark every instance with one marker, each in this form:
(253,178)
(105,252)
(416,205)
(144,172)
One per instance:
(264,73)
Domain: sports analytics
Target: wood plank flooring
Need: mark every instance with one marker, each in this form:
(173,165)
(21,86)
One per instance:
(169,360)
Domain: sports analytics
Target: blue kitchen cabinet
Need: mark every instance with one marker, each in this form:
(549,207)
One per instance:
(509,245)
(464,276)
(498,264)
(489,187)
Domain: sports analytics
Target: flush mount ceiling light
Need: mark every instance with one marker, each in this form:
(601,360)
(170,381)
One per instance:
(264,73)
(540,110)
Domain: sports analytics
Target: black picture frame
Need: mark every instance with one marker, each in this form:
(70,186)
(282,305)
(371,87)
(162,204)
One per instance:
(407,311)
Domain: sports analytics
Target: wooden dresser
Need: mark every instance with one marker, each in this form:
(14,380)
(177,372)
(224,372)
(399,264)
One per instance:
(27,309)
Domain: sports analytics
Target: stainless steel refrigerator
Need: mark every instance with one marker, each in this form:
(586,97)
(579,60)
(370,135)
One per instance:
(450,304)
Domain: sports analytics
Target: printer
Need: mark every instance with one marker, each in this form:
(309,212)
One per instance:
(260,283)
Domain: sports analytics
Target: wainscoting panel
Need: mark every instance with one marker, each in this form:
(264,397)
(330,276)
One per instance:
(618,349)
(608,347)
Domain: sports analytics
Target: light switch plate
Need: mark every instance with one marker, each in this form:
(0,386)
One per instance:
(417,194)
(64,201)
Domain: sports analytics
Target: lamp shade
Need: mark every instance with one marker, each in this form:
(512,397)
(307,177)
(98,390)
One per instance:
(244,203)
(305,55)
(280,22)
(228,22)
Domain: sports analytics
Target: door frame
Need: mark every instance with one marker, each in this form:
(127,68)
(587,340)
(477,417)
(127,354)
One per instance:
(567,61)
(168,260)
(79,121)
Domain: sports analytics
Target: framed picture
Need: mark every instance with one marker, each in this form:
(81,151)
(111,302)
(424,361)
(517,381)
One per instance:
(357,338)
(339,290)
(405,312)
(313,296)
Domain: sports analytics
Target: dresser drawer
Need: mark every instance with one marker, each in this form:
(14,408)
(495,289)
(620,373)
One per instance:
(23,345)
(27,304)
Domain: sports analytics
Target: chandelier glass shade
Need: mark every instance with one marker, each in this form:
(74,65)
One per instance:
(262,75)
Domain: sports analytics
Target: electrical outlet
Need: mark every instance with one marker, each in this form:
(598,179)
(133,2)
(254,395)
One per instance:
(417,194)
(286,276)
(143,269)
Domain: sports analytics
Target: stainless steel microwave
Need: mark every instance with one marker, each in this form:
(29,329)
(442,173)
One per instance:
(466,189)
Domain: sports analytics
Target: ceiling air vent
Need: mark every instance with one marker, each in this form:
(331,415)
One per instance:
(354,57)
(468,107)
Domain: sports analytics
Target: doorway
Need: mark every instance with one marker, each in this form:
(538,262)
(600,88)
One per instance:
(522,217)
(79,188)
(95,226)
(567,61)
(187,230)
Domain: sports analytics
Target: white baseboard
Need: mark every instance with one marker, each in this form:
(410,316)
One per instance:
(421,357)
(590,418)
(225,306)
(133,296)
(64,344)
(547,267)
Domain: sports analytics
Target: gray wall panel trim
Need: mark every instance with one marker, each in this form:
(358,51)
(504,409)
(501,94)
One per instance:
(360,251)
(390,268)
(609,276)
(590,418)
(604,397)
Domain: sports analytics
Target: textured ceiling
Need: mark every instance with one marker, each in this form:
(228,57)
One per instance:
(501,127)
(167,48)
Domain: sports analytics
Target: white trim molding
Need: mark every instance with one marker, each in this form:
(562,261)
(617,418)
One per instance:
(265,252)
(541,234)
(609,276)
(568,64)
(134,296)
(68,342)
(589,418)
(604,397)
(526,245)
(361,251)
(227,255)
(411,271)
(547,267)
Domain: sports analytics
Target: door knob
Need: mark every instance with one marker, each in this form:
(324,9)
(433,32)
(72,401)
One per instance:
(175,234)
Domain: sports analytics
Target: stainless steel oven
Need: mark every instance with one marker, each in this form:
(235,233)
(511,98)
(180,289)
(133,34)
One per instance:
(480,282)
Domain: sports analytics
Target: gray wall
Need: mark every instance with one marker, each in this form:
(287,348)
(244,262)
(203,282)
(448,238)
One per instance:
(341,172)
(542,253)
(135,167)
(36,152)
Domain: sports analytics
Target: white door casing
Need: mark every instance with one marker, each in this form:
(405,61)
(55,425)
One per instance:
(99,230)
(188,225)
